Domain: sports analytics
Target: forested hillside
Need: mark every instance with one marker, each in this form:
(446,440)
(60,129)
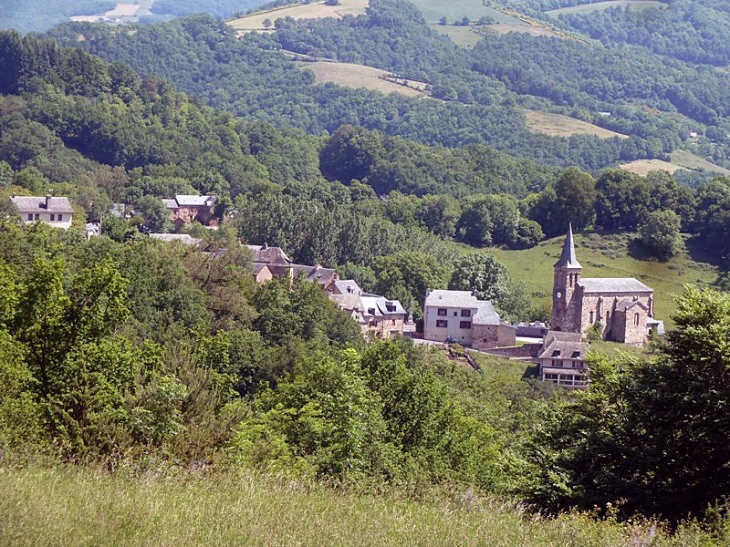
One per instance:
(144,358)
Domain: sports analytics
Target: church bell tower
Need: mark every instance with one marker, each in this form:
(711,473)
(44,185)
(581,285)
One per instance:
(567,274)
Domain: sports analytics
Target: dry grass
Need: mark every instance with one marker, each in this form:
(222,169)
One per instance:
(681,159)
(557,125)
(637,5)
(356,76)
(318,10)
(52,507)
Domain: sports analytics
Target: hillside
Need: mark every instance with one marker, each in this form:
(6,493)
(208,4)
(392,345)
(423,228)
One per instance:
(62,506)
(610,256)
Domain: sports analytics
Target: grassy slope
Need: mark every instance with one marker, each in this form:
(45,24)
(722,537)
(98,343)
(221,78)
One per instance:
(557,125)
(315,10)
(357,76)
(80,507)
(607,256)
(681,159)
(588,8)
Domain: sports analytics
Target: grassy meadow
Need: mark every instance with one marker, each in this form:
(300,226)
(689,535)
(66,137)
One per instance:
(315,10)
(637,5)
(557,125)
(608,256)
(357,76)
(80,506)
(681,159)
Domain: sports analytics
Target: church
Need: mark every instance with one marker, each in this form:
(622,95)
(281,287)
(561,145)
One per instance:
(622,309)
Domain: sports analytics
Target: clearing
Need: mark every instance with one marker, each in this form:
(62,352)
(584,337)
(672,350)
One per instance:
(319,10)
(681,159)
(638,5)
(557,125)
(607,255)
(361,76)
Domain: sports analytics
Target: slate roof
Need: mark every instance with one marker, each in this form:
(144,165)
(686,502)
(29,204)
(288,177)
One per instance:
(567,257)
(45,204)
(451,299)
(559,346)
(313,273)
(625,305)
(485,314)
(612,285)
(269,255)
(346,286)
(189,200)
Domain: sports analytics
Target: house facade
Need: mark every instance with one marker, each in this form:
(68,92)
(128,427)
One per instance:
(460,315)
(620,309)
(562,359)
(377,316)
(52,210)
(186,209)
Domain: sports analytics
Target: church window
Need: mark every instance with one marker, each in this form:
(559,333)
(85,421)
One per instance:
(636,319)
(592,319)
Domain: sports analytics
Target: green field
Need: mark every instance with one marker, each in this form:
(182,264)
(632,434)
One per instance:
(637,5)
(59,507)
(681,159)
(607,256)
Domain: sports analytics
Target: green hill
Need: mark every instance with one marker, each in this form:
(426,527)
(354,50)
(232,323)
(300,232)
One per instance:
(609,256)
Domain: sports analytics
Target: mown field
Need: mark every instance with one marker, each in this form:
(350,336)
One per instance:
(557,125)
(681,159)
(356,76)
(588,8)
(60,507)
(608,256)
(315,10)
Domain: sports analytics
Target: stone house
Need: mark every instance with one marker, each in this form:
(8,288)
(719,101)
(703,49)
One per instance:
(562,359)
(51,210)
(621,309)
(186,209)
(460,315)
(376,315)
(280,265)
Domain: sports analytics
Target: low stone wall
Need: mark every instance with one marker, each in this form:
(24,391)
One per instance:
(526,351)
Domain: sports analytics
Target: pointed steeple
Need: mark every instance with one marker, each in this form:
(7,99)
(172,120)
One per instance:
(567,257)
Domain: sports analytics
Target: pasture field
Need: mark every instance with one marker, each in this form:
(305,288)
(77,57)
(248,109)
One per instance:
(82,506)
(681,159)
(356,76)
(465,37)
(318,10)
(608,256)
(638,5)
(557,125)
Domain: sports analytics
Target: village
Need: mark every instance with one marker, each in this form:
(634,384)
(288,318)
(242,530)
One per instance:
(614,309)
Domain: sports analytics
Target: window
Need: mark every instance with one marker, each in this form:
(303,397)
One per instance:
(30,216)
(636,319)
(53,217)
(442,311)
(466,313)
(464,324)
(442,323)
(60,217)
(455,314)
(592,320)
(37,216)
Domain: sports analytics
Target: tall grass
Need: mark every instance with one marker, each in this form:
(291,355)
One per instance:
(78,506)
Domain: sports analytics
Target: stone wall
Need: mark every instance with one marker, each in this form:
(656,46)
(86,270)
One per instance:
(526,351)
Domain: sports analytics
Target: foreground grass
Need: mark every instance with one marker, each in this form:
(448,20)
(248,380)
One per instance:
(82,507)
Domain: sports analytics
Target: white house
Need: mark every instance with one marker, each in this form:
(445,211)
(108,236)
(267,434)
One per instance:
(55,211)
(461,316)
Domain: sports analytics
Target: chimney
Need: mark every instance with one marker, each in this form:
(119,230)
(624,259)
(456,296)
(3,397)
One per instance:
(428,291)
(48,202)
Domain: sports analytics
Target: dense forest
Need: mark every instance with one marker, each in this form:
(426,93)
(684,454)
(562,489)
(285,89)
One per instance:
(132,353)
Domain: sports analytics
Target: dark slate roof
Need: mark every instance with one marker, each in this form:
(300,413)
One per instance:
(567,257)
(625,305)
(188,200)
(313,273)
(613,285)
(555,348)
(45,204)
(269,255)
(451,299)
